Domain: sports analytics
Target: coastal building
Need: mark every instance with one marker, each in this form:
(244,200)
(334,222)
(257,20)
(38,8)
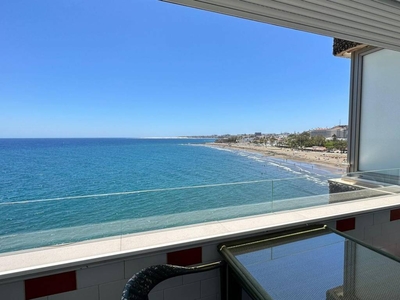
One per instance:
(98,269)
(340,131)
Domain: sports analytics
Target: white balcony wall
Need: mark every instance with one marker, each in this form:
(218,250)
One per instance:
(380,107)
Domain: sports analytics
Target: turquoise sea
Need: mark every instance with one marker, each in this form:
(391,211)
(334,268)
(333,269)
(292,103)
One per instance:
(55,191)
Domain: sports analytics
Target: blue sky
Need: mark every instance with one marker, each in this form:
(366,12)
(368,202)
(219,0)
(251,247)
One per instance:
(139,68)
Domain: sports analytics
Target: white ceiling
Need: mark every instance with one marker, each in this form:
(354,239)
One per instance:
(372,22)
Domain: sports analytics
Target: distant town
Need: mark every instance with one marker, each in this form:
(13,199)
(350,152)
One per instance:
(318,139)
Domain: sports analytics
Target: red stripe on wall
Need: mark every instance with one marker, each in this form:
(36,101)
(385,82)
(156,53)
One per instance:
(185,257)
(346,224)
(50,285)
(395,214)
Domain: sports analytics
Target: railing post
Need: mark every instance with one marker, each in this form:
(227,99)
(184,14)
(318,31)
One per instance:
(272,196)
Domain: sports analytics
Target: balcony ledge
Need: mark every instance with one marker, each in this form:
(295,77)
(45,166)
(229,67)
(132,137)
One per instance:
(25,263)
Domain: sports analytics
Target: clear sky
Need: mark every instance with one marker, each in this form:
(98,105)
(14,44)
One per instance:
(139,68)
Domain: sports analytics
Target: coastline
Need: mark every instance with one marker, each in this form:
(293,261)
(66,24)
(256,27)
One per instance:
(332,162)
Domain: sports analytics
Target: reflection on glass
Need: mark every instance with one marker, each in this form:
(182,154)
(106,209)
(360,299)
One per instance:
(53,221)
(318,264)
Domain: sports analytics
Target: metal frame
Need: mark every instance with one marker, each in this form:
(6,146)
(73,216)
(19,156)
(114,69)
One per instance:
(355,103)
(237,273)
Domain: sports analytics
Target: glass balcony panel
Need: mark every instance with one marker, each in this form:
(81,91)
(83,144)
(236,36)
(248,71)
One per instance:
(47,222)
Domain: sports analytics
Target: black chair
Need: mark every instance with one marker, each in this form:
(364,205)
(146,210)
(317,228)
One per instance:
(140,284)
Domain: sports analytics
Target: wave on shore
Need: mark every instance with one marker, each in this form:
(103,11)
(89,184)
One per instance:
(321,163)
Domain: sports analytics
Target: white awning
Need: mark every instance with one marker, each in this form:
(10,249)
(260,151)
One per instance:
(372,22)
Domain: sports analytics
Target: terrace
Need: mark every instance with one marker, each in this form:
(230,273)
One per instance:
(367,206)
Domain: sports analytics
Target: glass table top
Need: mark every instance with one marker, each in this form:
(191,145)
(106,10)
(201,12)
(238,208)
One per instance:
(316,263)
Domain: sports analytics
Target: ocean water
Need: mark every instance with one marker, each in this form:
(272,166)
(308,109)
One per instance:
(55,191)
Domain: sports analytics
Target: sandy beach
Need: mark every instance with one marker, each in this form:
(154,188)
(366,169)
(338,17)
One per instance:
(336,161)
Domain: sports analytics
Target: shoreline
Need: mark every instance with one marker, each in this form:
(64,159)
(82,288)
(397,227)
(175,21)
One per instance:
(331,162)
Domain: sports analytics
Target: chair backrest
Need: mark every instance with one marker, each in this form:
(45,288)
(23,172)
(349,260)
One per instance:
(140,284)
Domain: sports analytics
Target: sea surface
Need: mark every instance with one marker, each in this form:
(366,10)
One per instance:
(56,191)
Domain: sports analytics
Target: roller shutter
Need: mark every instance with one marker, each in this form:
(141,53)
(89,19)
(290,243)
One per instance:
(371,22)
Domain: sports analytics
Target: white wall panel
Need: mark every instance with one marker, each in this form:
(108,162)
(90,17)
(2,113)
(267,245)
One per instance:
(380,111)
